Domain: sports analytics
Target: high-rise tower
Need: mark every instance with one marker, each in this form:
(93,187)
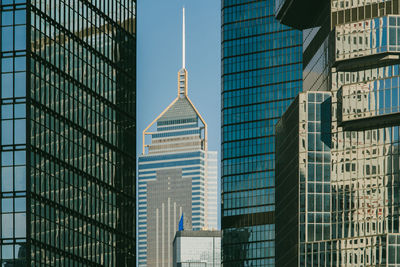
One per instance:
(68,131)
(351,50)
(261,75)
(177,177)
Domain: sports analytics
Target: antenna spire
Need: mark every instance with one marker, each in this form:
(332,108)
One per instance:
(182,74)
(183,40)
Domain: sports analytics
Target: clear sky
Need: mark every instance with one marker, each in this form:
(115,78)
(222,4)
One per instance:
(159,53)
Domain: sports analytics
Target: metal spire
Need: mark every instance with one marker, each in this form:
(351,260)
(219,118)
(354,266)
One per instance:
(182,74)
(183,40)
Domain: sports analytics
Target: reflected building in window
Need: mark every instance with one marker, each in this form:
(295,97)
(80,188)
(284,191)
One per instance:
(68,131)
(303,188)
(351,49)
(261,76)
(177,178)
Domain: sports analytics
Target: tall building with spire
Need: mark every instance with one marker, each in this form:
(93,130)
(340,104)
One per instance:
(177,177)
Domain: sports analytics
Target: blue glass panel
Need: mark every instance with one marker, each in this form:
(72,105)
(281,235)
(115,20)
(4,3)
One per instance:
(6,205)
(7,251)
(7,132)
(20,37)
(7,18)
(20,16)
(20,63)
(20,225)
(20,204)
(7,85)
(7,179)
(20,178)
(7,43)
(20,132)
(7,158)
(6,112)
(7,225)
(20,84)
(7,64)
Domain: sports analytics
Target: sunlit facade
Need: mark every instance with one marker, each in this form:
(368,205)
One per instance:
(68,131)
(352,51)
(261,75)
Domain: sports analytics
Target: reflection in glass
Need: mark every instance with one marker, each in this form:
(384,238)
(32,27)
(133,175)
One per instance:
(7,179)
(7,225)
(20,179)
(7,85)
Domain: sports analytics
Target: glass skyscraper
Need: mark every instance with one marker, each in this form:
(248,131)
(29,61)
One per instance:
(261,75)
(68,131)
(352,50)
(303,192)
(177,178)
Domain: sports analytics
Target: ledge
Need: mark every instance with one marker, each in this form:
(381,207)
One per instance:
(371,122)
(303,14)
(370,61)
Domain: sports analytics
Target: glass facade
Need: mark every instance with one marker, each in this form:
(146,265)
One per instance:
(303,192)
(68,131)
(197,249)
(261,75)
(360,65)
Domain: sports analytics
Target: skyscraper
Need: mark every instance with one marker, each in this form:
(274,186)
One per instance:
(303,192)
(177,177)
(352,47)
(261,75)
(68,131)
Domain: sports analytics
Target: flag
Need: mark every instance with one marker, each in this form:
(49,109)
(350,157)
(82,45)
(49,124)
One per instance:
(181,223)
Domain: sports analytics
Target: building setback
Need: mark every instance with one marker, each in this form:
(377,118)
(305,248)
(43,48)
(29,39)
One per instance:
(351,50)
(68,131)
(177,178)
(261,75)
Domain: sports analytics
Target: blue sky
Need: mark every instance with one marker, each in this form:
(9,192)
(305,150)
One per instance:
(159,46)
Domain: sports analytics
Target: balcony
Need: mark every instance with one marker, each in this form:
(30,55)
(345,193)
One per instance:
(371,104)
(367,43)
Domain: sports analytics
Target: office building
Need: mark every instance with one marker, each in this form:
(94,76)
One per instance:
(68,131)
(351,50)
(197,249)
(177,177)
(303,193)
(261,75)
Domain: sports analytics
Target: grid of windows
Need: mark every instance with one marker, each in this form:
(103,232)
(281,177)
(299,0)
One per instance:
(364,154)
(13,114)
(68,132)
(196,167)
(370,99)
(245,246)
(303,190)
(261,74)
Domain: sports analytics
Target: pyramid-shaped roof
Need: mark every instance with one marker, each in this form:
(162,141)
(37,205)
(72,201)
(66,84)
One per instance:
(181,109)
